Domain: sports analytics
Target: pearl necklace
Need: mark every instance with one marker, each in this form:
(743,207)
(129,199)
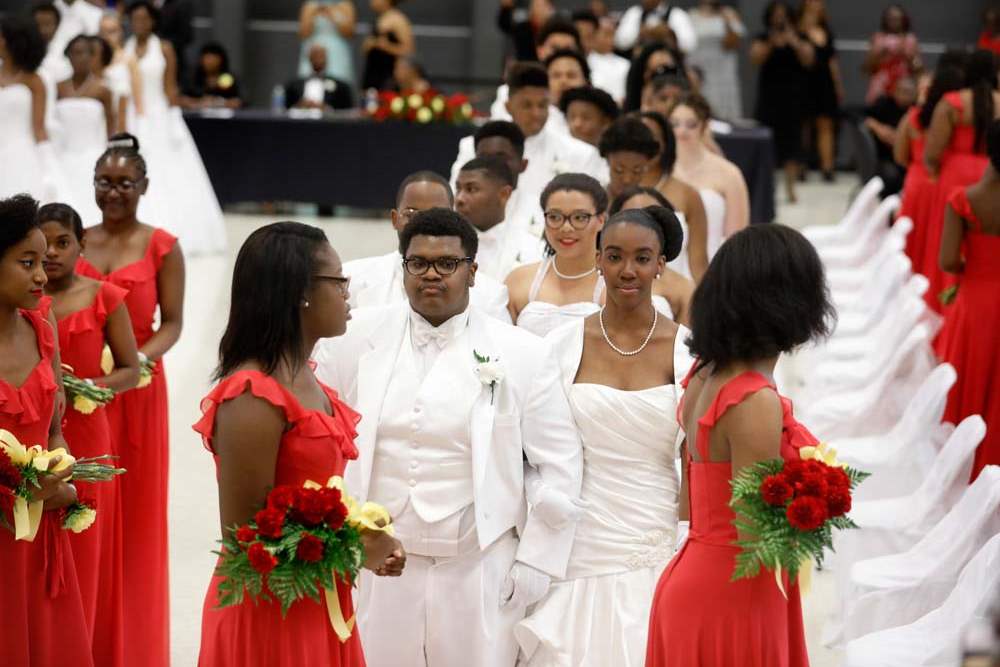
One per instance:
(642,347)
(555,268)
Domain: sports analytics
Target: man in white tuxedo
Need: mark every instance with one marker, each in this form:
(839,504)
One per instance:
(608,70)
(453,403)
(484,186)
(549,151)
(378,281)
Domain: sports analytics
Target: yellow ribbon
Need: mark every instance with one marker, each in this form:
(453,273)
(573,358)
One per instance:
(804,579)
(370,516)
(28,515)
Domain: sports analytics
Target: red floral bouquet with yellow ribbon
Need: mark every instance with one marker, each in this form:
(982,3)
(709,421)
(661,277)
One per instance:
(303,539)
(787,511)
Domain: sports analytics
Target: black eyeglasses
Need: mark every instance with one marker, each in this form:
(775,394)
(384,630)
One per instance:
(124,187)
(343,282)
(444,266)
(577,219)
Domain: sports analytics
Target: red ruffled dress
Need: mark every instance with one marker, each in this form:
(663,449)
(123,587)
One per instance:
(699,617)
(43,623)
(917,195)
(139,434)
(315,447)
(98,551)
(961,166)
(968,340)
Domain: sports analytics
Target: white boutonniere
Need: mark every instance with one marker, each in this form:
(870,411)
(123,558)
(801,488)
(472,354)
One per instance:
(490,373)
(560,167)
(330,85)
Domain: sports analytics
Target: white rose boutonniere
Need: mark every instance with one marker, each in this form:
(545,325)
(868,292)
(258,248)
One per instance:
(562,167)
(490,372)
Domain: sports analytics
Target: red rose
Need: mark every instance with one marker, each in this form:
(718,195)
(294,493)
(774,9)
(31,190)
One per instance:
(806,513)
(793,471)
(245,534)
(335,517)
(310,549)
(269,522)
(836,478)
(311,506)
(282,497)
(6,500)
(775,490)
(838,502)
(10,476)
(812,484)
(260,558)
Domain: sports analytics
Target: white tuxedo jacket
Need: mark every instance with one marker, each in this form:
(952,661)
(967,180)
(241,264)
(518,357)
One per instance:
(527,416)
(378,281)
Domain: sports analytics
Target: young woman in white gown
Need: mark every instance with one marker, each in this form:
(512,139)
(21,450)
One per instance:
(621,368)
(720,182)
(566,284)
(180,197)
(85,115)
(121,74)
(27,159)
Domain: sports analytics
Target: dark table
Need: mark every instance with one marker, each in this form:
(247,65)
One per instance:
(348,160)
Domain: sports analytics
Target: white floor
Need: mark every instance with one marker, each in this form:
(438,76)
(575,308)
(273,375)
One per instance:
(193,502)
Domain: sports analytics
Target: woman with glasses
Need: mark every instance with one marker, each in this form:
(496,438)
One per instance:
(566,285)
(270,422)
(148,262)
(620,367)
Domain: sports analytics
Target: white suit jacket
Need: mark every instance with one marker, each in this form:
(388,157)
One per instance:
(527,416)
(378,281)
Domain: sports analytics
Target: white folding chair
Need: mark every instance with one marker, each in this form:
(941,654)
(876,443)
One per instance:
(934,640)
(897,590)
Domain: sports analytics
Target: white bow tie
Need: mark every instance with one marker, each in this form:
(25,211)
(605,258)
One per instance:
(424,334)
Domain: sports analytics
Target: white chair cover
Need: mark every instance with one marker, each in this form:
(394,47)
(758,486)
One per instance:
(860,323)
(935,639)
(859,213)
(864,244)
(897,590)
(857,280)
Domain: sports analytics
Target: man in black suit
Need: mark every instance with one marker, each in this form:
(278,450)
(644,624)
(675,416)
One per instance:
(318,91)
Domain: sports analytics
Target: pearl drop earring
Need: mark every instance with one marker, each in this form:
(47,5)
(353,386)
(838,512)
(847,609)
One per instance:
(305,304)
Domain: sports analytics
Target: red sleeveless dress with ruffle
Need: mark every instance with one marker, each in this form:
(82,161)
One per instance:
(699,617)
(917,195)
(139,433)
(97,552)
(968,339)
(43,623)
(961,166)
(315,447)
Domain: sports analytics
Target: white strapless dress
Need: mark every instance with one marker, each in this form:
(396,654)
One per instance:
(599,615)
(180,197)
(680,264)
(20,158)
(82,138)
(715,214)
(542,317)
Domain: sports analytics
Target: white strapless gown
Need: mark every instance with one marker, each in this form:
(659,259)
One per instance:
(20,157)
(180,197)
(82,138)
(680,264)
(715,214)
(599,615)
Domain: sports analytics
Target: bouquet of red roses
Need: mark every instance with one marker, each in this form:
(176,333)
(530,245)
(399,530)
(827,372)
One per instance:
(422,107)
(787,510)
(296,545)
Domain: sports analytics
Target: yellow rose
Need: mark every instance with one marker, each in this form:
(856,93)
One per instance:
(107,361)
(424,115)
(80,519)
(415,100)
(466,110)
(225,81)
(397,105)
(84,405)
(823,454)
(437,104)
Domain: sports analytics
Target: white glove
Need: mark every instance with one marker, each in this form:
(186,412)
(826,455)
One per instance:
(524,586)
(176,127)
(553,507)
(682,534)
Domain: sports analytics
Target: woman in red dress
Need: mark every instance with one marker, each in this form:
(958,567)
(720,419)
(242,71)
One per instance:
(91,313)
(734,417)
(147,262)
(918,188)
(269,422)
(43,620)
(968,339)
(955,153)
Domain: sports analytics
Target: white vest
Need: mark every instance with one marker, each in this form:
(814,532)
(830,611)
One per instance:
(423,456)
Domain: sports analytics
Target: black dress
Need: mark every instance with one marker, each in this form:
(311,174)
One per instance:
(822,91)
(379,64)
(782,87)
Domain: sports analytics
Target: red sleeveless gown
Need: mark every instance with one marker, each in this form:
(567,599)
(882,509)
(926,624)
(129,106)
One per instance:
(139,432)
(968,340)
(917,195)
(315,447)
(43,623)
(699,617)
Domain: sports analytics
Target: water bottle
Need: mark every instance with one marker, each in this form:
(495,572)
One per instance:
(371,100)
(278,100)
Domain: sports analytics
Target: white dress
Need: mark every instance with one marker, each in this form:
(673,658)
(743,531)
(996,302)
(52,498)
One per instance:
(715,216)
(599,615)
(180,197)
(721,84)
(680,263)
(21,160)
(542,317)
(82,138)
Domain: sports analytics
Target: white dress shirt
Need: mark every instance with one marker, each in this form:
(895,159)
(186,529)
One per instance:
(504,247)
(79,18)
(609,72)
(631,23)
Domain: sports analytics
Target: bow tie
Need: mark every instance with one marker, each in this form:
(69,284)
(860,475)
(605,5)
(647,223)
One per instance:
(424,334)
